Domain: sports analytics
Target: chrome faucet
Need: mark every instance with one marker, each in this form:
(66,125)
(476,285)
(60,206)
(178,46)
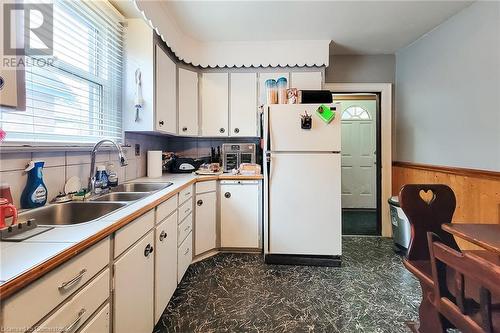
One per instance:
(121,156)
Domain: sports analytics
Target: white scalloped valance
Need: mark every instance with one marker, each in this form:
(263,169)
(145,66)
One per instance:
(232,54)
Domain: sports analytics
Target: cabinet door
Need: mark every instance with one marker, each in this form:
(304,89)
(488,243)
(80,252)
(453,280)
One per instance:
(239,215)
(165,263)
(133,296)
(188,102)
(214,104)
(243,104)
(165,93)
(205,222)
(307,80)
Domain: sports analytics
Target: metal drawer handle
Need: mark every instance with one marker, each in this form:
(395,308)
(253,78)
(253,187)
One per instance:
(184,129)
(187,194)
(222,130)
(161,122)
(187,251)
(199,202)
(187,210)
(227,195)
(70,327)
(163,235)
(148,250)
(236,130)
(74,280)
(187,228)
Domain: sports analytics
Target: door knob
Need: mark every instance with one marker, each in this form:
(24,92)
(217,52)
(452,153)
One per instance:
(199,202)
(236,130)
(163,235)
(227,195)
(184,129)
(148,250)
(222,130)
(161,122)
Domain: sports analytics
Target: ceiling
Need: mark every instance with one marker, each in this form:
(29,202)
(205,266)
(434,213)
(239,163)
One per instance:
(355,27)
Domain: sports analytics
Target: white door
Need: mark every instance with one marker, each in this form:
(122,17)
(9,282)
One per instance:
(188,102)
(165,263)
(307,80)
(215,104)
(243,108)
(133,296)
(359,177)
(286,134)
(304,204)
(205,222)
(165,93)
(239,211)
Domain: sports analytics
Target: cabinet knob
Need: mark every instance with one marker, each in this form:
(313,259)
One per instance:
(184,129)
(199,202)
(148,250)
(222,130)
(236,130)
(163,235)
(227,195)
(161,122)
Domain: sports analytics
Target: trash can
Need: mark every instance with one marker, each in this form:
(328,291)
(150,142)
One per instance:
(400,226)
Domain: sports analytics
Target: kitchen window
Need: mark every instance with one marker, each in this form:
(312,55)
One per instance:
(77,98)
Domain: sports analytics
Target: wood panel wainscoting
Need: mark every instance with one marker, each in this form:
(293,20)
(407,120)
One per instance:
(477,191)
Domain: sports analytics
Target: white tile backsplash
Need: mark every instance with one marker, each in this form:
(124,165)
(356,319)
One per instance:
(61,165)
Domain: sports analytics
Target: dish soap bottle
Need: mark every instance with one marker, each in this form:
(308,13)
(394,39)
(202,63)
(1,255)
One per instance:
(35,193)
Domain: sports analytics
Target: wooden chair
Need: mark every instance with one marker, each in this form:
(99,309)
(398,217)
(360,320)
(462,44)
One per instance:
(427,207)
(476,313)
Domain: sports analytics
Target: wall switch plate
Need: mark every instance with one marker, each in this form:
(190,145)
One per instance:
(137,149)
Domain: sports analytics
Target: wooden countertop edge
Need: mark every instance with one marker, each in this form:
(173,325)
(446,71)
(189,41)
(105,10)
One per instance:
(21,281)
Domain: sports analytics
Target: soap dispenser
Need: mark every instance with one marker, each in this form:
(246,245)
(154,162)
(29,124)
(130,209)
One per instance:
(35,193)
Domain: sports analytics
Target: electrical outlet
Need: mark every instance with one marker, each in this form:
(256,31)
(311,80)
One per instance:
(137,149)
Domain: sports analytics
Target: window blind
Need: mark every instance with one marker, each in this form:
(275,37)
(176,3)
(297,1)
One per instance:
(77,98)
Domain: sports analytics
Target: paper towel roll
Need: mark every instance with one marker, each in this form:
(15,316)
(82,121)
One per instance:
(154,163)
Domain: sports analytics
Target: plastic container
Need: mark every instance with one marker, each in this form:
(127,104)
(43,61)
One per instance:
(271,91)
(282,84)
(35,193)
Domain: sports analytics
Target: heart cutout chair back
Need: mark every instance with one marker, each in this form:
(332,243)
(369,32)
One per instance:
(428,196)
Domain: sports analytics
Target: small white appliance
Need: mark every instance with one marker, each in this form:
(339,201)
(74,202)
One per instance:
(302,193)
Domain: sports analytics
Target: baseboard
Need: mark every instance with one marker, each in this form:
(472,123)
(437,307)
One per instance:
(303,260)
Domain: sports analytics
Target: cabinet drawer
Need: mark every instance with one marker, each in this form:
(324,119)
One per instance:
(209,186)
(184,229)
(185,209)
(29,305)
(166,208)
(80,307)
(98,324)
(184,256)
(185,194)
(129,234)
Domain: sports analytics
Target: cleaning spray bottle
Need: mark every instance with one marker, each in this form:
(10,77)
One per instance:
(35,193)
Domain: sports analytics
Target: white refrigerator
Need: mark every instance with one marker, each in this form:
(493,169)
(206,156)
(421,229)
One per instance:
(302,193)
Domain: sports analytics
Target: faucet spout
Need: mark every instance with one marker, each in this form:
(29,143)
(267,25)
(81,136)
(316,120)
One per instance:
(121,157)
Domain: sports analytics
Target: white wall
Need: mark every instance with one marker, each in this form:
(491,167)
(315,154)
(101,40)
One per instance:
(448,92)
(361,69)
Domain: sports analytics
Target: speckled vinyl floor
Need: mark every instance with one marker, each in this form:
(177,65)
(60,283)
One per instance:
(371,292)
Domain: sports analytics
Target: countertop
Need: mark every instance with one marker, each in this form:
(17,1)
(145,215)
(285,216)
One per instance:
(24,262)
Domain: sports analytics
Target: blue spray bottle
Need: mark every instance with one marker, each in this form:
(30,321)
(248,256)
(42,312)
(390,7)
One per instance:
(35,193)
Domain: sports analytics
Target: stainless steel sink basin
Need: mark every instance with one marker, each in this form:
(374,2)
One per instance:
(140,187)
(122,196)
(70,213)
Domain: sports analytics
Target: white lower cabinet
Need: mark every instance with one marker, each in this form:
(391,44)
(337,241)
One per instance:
(134,288)
(184,256)
(98,324)
(165,263)
(239,213)
(205,222)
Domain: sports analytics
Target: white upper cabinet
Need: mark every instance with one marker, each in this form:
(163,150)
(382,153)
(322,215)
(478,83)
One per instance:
(243,104)
(214,104)
(165,93)
(307,80)
(188,102)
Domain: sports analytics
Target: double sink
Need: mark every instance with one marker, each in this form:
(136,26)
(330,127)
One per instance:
(77,212)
